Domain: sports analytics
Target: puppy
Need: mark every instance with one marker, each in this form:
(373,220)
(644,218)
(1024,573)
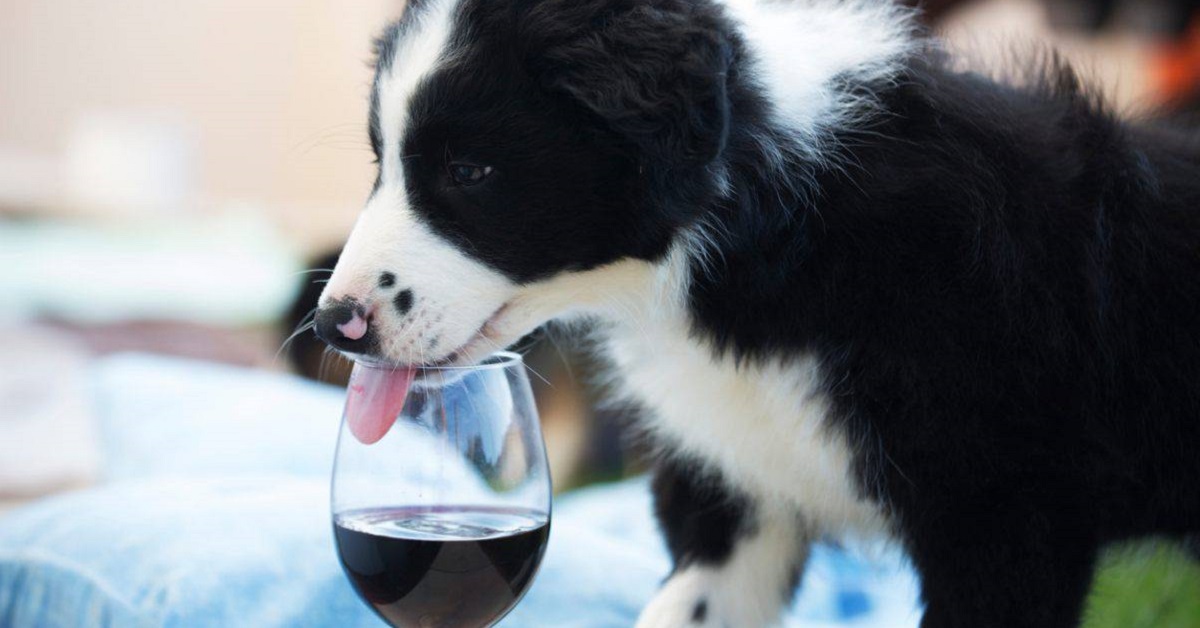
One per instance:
(859,292)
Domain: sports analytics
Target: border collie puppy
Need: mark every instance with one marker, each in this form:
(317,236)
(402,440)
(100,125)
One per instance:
(858,291)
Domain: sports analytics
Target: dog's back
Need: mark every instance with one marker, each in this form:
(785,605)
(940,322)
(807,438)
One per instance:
(1002,287)
(1035,262)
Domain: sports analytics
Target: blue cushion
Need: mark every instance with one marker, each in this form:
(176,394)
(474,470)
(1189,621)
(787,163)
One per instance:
(163,416)
(204,525)
(257,551)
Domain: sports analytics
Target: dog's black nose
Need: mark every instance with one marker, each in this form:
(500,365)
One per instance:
(345,325)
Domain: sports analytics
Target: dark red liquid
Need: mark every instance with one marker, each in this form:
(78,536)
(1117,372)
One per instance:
(443,566)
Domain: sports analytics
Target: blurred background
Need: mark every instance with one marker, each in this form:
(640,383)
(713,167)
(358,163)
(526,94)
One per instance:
(176,179)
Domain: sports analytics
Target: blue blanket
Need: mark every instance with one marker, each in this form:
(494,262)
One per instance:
(200,524)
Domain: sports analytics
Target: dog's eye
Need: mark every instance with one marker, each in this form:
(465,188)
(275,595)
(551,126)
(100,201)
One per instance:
(468,174)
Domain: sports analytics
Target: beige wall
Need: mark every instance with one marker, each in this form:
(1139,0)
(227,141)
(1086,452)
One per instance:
(991,34)
(274,90)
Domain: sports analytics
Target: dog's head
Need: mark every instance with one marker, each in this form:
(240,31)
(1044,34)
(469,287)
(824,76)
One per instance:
(532,155)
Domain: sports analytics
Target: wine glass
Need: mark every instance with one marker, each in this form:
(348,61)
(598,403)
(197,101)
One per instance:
(441,491)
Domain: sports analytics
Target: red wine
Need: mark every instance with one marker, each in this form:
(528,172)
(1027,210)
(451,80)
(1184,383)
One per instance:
(441,566)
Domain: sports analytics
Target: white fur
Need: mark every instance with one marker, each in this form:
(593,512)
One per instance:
(416,55)
(800,46)
(762,425)
(455,295)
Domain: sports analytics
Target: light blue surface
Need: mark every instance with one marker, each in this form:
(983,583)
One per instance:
(216,514)
(164,416)
(231,267)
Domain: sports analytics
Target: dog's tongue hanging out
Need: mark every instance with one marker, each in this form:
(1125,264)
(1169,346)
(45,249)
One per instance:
(374,400)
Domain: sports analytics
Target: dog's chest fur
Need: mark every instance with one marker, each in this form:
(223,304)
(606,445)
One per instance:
(763,427)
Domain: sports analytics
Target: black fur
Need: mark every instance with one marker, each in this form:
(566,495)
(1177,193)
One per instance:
(1002,284)
(403,301)
(701,516)
(1004,288)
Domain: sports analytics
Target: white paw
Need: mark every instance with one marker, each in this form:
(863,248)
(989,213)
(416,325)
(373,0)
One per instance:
(699,596)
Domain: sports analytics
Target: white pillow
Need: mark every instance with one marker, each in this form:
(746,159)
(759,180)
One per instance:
(47,430)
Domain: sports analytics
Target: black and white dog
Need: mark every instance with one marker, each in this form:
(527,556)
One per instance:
(859,291)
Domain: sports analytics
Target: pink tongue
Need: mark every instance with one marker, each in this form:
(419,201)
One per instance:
(374,400)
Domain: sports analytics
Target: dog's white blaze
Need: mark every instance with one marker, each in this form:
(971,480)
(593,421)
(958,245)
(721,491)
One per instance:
(749,589)
(453,293)
(417,55)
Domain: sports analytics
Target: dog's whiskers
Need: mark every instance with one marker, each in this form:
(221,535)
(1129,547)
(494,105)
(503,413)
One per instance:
(288,341)
(306,323)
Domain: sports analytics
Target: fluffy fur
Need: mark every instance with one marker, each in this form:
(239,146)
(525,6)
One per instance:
(857,291)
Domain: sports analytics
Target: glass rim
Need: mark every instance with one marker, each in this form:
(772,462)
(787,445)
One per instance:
(497,360)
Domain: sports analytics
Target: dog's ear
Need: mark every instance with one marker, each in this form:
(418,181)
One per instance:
(654,71)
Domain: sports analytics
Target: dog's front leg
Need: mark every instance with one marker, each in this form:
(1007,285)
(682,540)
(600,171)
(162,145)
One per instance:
(737,562)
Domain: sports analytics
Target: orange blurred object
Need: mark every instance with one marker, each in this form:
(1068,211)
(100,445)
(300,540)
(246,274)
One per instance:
(1176,67)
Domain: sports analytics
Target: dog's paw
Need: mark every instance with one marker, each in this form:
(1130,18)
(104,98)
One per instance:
(681,602)
(700,597)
